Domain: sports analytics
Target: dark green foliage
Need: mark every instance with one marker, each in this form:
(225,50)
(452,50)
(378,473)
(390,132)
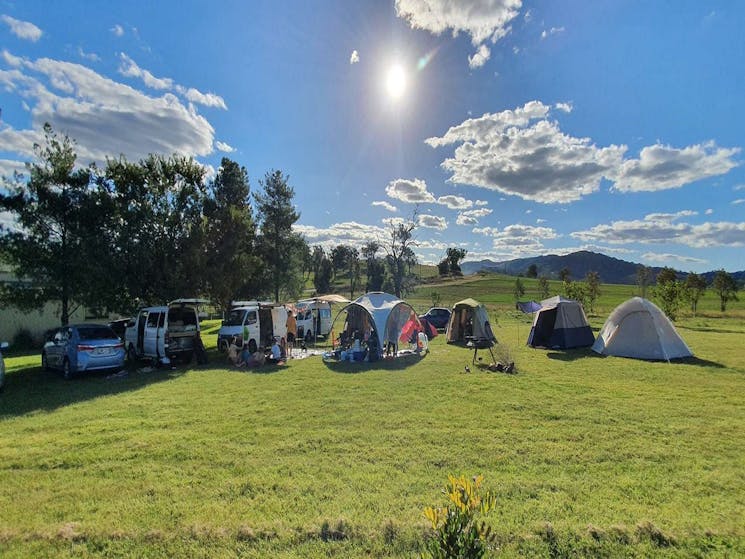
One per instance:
(532,271)
(54,252)
(399,256)
(725,287)
(693,288)
(565,274)
(592,289)
(519,289)
(668,292)
(543,287)
(280,248)
(643,278)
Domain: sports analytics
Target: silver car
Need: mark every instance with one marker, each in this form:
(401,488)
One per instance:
(3,345)
(83,347)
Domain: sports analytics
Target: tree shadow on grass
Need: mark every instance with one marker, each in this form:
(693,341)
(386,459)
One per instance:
(396,364)
(33,389)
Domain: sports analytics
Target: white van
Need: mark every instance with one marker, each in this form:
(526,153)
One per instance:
(253,322)
(313,319)
(163,333)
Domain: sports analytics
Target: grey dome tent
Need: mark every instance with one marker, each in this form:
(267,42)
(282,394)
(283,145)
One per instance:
(560,324)
(388,316)
(469,319)
(637,328)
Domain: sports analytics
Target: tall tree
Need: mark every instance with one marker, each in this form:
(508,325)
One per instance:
(592,288)
(725,287)
(643,278)
(668,292)
(519,289)
(454,257)
(374,266)
(230,231)
(399,253)
(322,278)
(159,228)
(694,287)
(543,287)
(532,271)
(53,250)
(565,274)
(281,248)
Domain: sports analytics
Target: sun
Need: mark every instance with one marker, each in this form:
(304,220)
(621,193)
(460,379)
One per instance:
(395,81)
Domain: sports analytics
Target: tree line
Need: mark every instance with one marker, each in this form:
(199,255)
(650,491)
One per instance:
(146,232)
(129,234)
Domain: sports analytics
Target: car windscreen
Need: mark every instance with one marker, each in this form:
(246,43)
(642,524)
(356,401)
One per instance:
(235,318)
(97,333)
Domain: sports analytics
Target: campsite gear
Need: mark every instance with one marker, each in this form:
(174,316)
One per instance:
(469,320)
(638,329)
(560,324)
(528,307)
(481,343)
(429,328)
(385,314)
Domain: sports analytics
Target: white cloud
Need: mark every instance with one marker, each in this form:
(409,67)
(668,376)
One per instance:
(348,233)
(518,240)
(552,31)
(454,202)
(480,203)
(105,117)
(432,222)
(709,211)
(409,191)
(480,57)
(222,146)
(91,56)
(206,99)
(522,153)
(9,222)
(564,107)
(738,201)
(509,153)
(22,29)
(117,30)
(354,57)
(9,167)
(387,205)
(739,187)
(483,20)
(539,220)
(667,258)
(665,229)
(663,167)
(129,68)
(471,217)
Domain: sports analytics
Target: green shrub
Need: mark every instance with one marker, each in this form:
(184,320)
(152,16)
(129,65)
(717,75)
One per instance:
(457,531)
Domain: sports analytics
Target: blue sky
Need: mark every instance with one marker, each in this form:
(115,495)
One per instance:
(513,128)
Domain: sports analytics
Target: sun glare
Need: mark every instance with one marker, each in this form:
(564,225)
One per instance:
(395,81)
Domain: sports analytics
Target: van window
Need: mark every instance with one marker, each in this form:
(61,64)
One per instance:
(325,313)
(162,320)
(235,318)
(251,317)
(152,319)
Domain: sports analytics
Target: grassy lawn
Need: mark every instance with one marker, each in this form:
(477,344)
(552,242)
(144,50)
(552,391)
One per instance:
(589,456)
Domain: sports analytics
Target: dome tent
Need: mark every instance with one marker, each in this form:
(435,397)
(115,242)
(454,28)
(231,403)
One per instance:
(560,324)
(469,318)
(637,328)
(385,314)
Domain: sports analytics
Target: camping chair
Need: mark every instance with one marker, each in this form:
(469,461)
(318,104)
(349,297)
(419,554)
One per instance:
(480,343)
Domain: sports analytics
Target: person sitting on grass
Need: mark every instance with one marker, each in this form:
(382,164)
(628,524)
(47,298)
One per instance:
(234,351)
(245,357)
(275,357)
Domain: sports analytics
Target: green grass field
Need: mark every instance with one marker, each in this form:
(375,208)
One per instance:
(588,456)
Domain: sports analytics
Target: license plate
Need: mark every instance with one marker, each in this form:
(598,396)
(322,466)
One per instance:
(102,351)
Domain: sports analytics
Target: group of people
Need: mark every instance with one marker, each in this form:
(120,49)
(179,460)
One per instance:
(280,350)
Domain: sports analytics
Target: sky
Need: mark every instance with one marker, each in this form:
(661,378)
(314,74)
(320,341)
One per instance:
(509,128)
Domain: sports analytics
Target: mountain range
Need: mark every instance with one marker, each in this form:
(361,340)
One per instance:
(611,270)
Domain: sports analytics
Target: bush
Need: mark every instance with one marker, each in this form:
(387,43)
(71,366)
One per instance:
(23,340)
(457,530)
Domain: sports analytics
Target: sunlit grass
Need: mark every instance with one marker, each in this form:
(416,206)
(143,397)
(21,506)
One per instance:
(590,455)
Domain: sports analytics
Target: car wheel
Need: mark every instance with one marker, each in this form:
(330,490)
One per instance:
(44,362)
(132,354)
(67,370)
(224,346)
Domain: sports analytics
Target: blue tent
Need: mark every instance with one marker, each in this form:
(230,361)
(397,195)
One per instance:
(560,324)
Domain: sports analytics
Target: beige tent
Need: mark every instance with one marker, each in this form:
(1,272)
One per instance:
(637,328)
(469,320)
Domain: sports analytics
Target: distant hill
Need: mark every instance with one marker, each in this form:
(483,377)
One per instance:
(611,270)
